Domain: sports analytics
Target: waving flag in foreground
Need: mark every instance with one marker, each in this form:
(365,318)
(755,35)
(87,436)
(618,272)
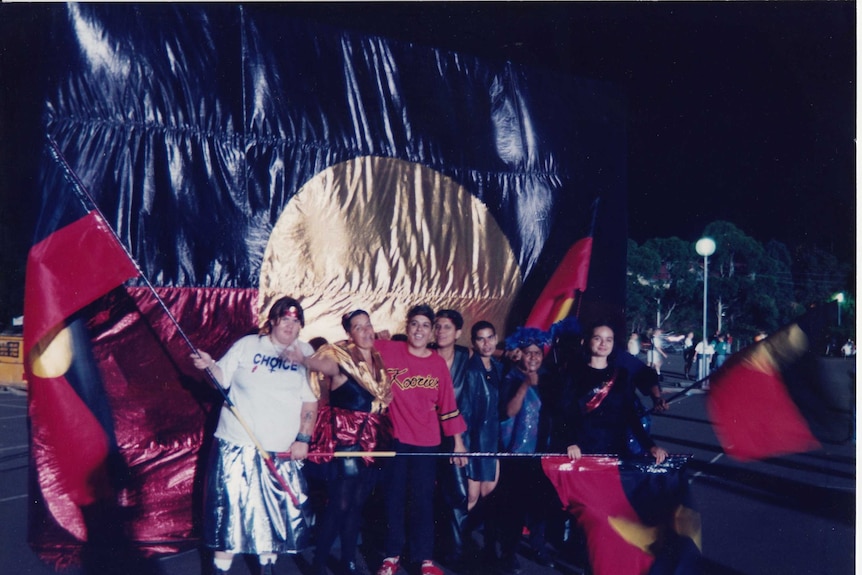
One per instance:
(636,515)
(778,397)
(74,261)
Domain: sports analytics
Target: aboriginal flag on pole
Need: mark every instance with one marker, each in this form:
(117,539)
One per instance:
(636,515)
(74,260)
(565,285)
(779,396)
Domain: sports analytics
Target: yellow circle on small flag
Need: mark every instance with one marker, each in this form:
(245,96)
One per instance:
(52,356)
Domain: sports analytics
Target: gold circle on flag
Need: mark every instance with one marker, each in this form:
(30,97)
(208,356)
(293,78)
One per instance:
(52,356)
(383,235)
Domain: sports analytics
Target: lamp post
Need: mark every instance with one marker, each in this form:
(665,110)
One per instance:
(839,297)
(704,247)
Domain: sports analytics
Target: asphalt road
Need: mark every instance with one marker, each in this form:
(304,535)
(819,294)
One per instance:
(789,515)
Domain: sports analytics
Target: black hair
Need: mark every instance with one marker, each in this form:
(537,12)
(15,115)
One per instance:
(277,311)
(348,317)
(588,333)
(421,309)
(317,342)
(452,315)
(479,326)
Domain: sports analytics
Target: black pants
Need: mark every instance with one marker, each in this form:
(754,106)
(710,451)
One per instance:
(409,502)
(346,497)
(528,500)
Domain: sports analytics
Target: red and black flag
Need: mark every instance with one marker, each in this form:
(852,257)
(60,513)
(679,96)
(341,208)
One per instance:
(637,516)
(566,284)
(779,396)
(74,261)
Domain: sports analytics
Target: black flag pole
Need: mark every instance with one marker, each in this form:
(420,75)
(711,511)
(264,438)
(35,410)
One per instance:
(90,204)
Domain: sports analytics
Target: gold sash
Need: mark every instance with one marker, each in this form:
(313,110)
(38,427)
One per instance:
(351,361)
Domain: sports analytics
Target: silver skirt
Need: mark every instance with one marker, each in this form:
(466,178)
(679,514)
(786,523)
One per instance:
(245,508)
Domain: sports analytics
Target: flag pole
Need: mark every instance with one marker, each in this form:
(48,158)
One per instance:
(686,389)
(492,454)
(84,197)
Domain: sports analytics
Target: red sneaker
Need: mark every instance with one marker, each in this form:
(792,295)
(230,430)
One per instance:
(390,566)
(428,568)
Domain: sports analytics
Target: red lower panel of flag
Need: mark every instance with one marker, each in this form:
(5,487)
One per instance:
(158,429)
(628,512)
(753,414)
(69,448)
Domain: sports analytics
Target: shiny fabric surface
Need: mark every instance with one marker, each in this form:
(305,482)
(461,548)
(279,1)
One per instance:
(239,153)
(519,434)
(386,252)
(370,379)
(247,511)
(163,416)
(337,429)
(480,407)
(197,126)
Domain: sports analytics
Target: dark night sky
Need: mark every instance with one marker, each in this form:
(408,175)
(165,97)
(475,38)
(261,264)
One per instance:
(740,111)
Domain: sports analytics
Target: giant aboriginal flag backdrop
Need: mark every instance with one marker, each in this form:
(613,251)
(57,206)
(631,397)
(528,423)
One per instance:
(241,154)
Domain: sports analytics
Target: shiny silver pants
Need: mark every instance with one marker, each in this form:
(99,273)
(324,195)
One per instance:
(245,508)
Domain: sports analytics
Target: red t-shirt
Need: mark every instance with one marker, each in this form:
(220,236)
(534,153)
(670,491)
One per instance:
(423,397)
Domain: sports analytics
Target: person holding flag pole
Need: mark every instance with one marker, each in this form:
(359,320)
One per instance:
(599,404)
(246,509)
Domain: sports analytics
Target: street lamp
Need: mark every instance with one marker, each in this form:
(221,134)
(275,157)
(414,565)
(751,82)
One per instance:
(839,297)
(704,247)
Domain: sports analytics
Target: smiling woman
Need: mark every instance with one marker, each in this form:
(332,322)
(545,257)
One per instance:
(423,404)
(245,511)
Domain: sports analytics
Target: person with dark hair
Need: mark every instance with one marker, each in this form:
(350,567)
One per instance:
(423,401)
(529,400)
(479,404)
(246,511)
(722,350)
(599,404)
(351,381)
(452,480)
(317,342)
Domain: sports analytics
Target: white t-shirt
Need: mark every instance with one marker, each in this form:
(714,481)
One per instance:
(699,349)
(268,392)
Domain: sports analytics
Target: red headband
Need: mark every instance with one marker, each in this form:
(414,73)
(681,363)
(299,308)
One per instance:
(292,311)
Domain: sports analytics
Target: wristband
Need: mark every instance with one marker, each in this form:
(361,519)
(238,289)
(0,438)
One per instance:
(303,437)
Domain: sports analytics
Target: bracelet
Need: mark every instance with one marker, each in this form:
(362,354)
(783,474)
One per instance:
(303,437)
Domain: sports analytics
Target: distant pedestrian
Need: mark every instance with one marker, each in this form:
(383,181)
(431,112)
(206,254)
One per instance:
(688,353)
(634,345)
(658,352)
(721,349)
(703,357)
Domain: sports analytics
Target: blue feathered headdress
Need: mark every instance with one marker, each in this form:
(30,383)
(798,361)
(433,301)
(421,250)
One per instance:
(527,336)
